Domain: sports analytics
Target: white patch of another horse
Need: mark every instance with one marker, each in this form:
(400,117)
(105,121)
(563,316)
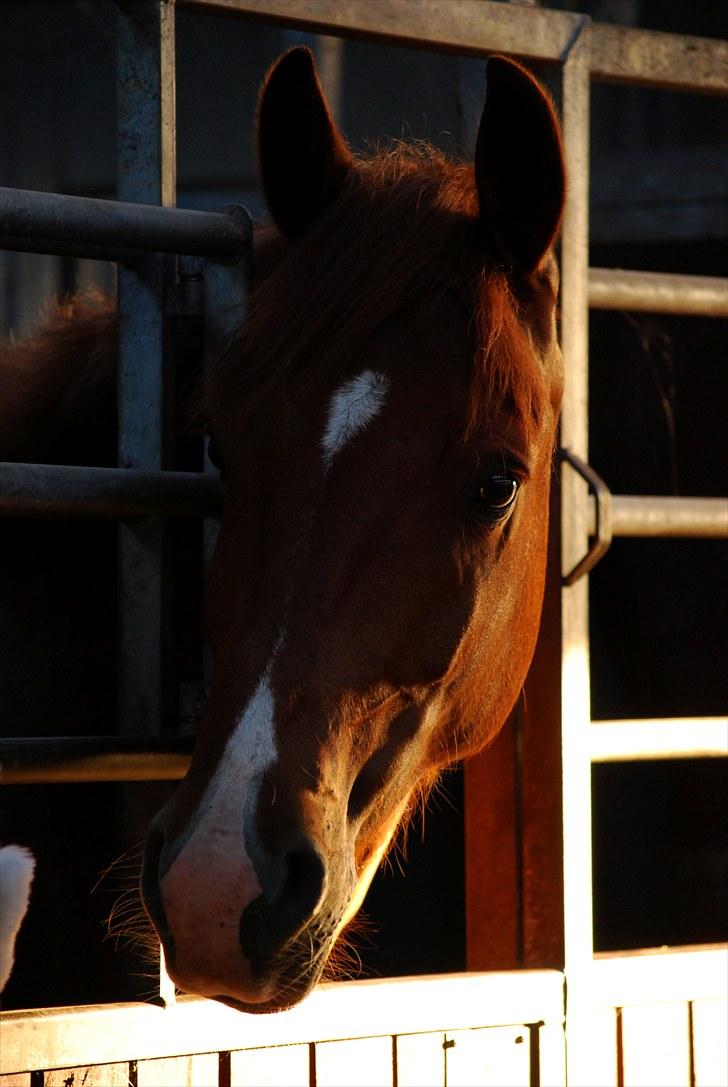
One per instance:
(16,875)
(352,406)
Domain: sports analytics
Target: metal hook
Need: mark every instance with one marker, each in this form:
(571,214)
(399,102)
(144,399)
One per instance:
(603,517)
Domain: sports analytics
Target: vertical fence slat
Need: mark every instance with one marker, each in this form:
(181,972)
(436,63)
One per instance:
(491,1057)
(421,1060)
(710,1042)
(656,1046)
(281,1066)
(362,1062)
(199,1070)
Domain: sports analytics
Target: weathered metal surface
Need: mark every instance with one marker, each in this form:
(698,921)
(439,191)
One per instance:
(658,292)
(146,174)
(114,230)
(461,26)
(52,490)
(622,54)
(661,738)
(645,515)
(652,58)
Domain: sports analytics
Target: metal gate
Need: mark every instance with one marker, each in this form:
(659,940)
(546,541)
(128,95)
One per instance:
(400,1032)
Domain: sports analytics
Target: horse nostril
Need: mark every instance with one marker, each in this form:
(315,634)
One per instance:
(303,884)
(286,907)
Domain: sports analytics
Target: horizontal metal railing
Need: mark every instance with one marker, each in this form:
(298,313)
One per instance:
(647,515)
(658,738)
(40,222)
(620,54)
(73,759)
(49,490)
(658,292)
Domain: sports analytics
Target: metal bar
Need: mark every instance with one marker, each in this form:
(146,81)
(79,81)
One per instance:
(147,171)
(51,490)
(658,292)
(662,738)
(620,54)
(106,1034)
(645,515)
(460,27)
(69,759)
(113,230)
(574,678)
(652,58)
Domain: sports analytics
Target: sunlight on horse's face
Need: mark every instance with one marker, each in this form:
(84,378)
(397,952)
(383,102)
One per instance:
(373,605)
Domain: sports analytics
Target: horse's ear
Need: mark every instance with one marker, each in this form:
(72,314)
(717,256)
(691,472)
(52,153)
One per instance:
(519,164)
(303,157)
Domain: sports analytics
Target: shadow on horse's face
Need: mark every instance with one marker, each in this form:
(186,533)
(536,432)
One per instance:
(375,593)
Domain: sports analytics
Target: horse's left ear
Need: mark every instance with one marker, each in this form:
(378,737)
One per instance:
(303,157)
(519,165)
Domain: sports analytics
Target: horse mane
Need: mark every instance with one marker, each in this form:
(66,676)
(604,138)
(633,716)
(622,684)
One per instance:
(59,388)
(404,230)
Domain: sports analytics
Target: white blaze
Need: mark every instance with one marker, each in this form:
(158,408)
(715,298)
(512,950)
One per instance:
(352,406)
(212,875)
(250,750)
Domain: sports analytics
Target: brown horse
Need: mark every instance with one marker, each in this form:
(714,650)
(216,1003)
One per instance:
(385,426)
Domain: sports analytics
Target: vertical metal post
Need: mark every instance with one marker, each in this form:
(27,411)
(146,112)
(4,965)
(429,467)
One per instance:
(575,694)
(147,169)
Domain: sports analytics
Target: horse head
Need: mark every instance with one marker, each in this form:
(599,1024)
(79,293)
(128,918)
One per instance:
(386,424)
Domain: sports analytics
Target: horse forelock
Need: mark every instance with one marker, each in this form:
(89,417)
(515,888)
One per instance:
(403,232)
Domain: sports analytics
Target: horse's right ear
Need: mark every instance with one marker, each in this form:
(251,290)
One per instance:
(519,165)
(303,157)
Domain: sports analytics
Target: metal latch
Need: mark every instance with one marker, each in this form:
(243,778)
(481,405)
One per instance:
(602,537)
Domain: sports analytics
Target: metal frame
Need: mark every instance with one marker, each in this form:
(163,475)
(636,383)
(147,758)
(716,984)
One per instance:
(583,51)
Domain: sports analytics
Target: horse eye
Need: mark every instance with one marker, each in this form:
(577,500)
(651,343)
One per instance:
(496,496)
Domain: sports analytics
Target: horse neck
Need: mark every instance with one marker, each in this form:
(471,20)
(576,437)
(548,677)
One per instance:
(58,387)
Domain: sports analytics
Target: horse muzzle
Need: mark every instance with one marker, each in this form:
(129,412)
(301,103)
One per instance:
(256,937)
